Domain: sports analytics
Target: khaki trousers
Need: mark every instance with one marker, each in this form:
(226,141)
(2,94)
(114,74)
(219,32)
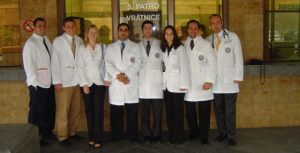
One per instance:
(67,114)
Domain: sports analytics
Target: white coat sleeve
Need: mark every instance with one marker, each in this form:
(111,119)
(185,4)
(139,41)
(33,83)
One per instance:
(135,68)
(55,63)
(238,57)
(211,70)
(184,68)
(29,66)
(81,67)
(109,64)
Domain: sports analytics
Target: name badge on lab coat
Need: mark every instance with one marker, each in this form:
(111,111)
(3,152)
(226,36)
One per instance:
(132,60)
(157,55)
(227,50)
(201,57)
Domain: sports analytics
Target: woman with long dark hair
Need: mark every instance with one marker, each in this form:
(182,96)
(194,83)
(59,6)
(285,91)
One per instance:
(176,82)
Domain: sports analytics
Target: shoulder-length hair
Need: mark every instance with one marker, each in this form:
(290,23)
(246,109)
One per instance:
(86,38)
(176,41)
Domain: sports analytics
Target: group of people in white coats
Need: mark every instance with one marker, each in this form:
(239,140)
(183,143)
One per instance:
(143,74)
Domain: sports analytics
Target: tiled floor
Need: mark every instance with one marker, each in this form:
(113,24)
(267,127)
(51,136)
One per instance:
(263,140)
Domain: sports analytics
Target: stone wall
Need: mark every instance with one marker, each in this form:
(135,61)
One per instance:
(274,104)
(246,19)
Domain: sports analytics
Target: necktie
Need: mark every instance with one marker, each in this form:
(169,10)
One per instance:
(122,48)
(192,44)
(148,47)
(44,42)
(218,41)
(73,46)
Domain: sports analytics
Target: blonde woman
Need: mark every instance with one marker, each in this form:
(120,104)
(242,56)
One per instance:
(90,64)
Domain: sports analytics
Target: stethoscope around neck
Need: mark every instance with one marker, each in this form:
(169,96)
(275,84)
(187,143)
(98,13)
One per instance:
(225,36)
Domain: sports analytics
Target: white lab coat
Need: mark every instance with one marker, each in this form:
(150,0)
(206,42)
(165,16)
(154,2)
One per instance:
(230,65)
(91,65)
(176,73)
(150,75)
(130,64)
(37,61)
(202,69)
(64,67)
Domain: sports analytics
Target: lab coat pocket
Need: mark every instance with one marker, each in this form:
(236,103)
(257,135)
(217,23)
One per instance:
(67,74)
(175,71)
(229,75)
(43,76)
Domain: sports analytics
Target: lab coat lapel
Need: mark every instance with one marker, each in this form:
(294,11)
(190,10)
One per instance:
(67,46)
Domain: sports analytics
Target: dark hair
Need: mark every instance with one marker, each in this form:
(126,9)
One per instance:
(147,22)
(68,19)
(192,21)
(164,43)
(38,19)
(123,24)
(215,15)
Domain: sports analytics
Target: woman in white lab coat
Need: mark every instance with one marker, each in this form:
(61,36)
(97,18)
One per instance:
(92,86)
(175,81)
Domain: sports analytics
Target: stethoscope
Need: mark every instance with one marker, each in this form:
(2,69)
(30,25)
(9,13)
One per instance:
(225,36)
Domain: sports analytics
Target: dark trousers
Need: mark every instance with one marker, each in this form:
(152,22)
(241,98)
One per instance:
(225,109)
(94,111)
(175,116)
(41,109)
(117,121)
(204,118)
(146,105)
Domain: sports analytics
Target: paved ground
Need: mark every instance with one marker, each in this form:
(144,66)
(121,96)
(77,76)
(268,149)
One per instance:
(263,140)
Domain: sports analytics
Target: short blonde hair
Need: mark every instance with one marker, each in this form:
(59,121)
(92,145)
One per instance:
(86,39)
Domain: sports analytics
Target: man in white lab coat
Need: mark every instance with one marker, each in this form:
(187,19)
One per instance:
(65,77)
(202,62)
(36,59)
(230,72)
(150,84)
(123,62)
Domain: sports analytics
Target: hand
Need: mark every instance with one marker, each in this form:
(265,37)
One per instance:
(86,89)
(121,77)
(107,83)
(126,81)
(237,81)
(58,87)
(182,89)
(206,85)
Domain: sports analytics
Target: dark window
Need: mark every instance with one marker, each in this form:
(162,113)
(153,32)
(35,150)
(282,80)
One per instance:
(282,24)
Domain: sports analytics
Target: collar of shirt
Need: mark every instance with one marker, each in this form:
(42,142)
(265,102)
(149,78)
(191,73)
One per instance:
(145,41)
(37,36)
(189,39)
(120,42)
(69,37)
(220,34)
(91,49)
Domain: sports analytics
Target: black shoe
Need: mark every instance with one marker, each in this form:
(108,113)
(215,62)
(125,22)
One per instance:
(156,139)
(50,137)
(76,137)
(204,142)
(65,143)
(221,138)
(192,137)
(44,143)
(133,140)
(147,139)
(231,142)
(116,139)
